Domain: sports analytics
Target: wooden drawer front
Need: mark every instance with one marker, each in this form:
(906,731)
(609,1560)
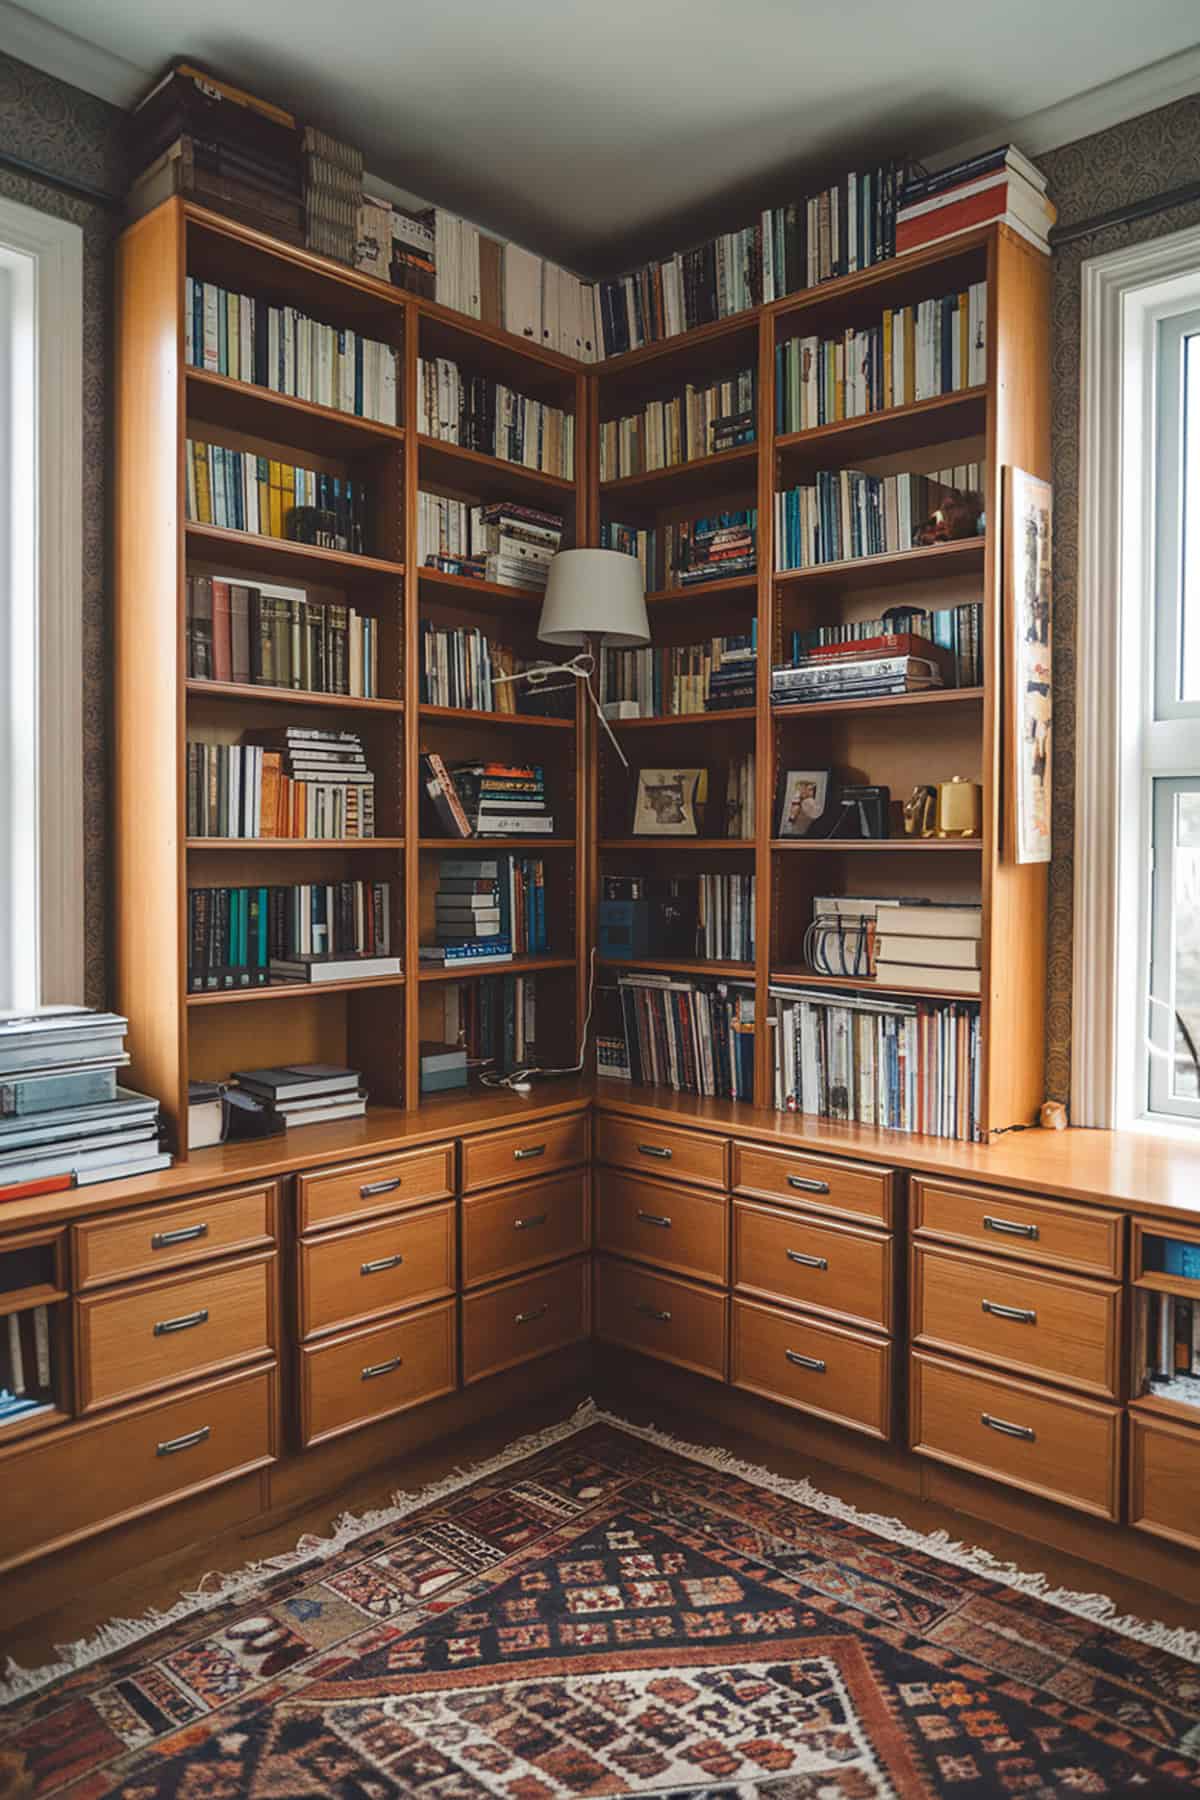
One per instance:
(519,1319)
(529,1150)
(1052,1325)
(374,1269)
(383,1185)
(58,1488)
(135,1339)
(822,1369)
(519,1227)
(1164,1478)
(663,1150)
(676,1228)
(1050,1232)
(853,1190)
(163,1237)
(813,1262)
(349,1381)
(1048,1444)
(661,1317)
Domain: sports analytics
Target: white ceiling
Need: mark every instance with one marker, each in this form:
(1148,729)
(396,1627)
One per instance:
(602,131)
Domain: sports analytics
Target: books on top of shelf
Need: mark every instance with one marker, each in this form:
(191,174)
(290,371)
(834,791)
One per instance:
(955,629)
(500,899)
(240,491)
(261,634)
(680,679)
(898,942)
(486,416)
(845,514)
(305,1093)
(897,663)
(333,177)
(395,245)
(998,184)
(504,542)
(690,552)
(696,422)
(294,784)
(695,1036)
(63,1040)
(488,799)
(237,934)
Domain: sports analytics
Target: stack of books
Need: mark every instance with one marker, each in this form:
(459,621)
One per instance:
(396,246)
(301,784)
(845,514)
(488,799)
(487,908)
(694,423)
(443,1067)
(242,937)
(934,947)
(483,415)
(274,636)
(694,550)
(64,1122)
(694,1036)
(683,679)
(506,543)
(240,491)
(895,663)
(333,177)
(305,1093)
(732,431)
(956,629)
(999,184)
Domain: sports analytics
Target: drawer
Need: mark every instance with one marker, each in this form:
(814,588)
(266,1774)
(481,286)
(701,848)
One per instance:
(661,1317)
(677,1228)
(164,1237)
(1048,1444)
(1164,1478)
(519,1319)
(1079,1238)
(822,1369)
(804,1261)
(1057,1326)
(527,1150)
(132,1461)
(360,1190)
(854,1190)
(369,1270)
(132,1340)
(665,1149)
(518,1227)
(348,1381)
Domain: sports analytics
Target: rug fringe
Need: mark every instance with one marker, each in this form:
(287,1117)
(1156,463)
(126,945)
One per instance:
(216,1589)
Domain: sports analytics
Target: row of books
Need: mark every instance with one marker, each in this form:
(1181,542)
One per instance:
(240,491)
(461,666)
(504,542)
(698,421)
(273,636)
(844,514)
(26,1365)
(299,784)
(906,1065)
(314,932)
(483,415)
(897,663)
(494,1018)
(689,552)
(956,629)
(281,348)
(725,917)
(680,678)
(915,353)
(491,799)
(900,942)
(696,1037)
(488,908)
(1171,1347)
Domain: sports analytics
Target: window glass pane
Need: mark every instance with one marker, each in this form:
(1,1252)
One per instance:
(1189,684)
(1184,974)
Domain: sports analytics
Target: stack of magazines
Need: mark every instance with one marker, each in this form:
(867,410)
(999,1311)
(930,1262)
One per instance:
(893,663)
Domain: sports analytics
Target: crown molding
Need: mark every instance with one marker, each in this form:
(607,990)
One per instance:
(69,58)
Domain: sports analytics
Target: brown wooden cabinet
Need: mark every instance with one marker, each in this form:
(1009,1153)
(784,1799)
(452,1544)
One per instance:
(360,1376)
(838,1270)
(365,1271)
(680,1229)
(518,1320)
(832,1372)
(676,1321)
(517,1228)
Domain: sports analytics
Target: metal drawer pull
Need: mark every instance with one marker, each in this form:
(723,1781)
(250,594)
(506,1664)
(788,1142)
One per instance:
(383,1368)
(1023,1315)
(1009,1227)
(653,1312)
(807,1185)
(539,1312)
(186,1234)
(659,1150)
(1003,1426)
(379,1187)
(809,1262)
(654,1219)
(529,1223)
(185,1442)
(528,1151)
(816,1363)
(165,1327)
(384,1262)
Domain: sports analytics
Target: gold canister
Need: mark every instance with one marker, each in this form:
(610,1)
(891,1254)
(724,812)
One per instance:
(959,808)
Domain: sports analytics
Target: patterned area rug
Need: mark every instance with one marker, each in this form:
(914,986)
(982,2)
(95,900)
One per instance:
(609,1613)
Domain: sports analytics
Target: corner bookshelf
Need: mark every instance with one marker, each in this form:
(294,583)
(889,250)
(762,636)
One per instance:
(374,1024)
(894,742)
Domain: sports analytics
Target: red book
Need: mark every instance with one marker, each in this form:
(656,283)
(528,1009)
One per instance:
(222,629)
(891,643)
(25,1190)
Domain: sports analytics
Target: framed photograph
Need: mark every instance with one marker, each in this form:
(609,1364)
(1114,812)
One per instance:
(803,801)
(666,802)
(1029,674)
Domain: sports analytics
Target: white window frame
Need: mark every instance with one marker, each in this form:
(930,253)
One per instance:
(1123,741)
(41,556)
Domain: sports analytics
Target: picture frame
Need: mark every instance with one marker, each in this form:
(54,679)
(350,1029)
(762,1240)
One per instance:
(667,801)
(1029,673)
(804,798)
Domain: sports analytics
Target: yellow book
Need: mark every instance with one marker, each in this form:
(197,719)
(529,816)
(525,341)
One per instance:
(276,517)
(203,485)
(888,398)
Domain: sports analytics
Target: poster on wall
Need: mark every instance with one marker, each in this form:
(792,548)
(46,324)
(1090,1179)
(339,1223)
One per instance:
(1027,613)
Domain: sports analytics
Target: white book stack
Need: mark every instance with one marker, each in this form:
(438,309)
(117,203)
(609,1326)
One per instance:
(935,949)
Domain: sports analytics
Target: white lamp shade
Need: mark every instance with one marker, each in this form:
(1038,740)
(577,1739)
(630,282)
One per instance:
(594,591)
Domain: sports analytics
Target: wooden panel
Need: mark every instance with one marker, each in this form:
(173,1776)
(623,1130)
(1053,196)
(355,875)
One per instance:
(164,1237)
(358,1190)
(663,1317)
(133,1340)
(1142,1260)
(1048,1444)
(1164,1479)
(528,1150)
(855,1190)
(1057,1326)
(525,1318)
(841,1375)
(519,1227)
(803,1261)
(370,1270)
(662,1149)
(349,1381)
(55,1490)
(1084,1239)
(676,1228)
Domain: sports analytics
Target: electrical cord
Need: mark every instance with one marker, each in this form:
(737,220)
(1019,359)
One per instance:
(518,1080)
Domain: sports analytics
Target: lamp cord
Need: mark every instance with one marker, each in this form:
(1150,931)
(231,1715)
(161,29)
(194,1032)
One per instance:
(581,667)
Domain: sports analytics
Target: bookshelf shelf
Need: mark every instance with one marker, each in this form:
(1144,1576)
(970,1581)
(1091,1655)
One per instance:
(251,692)
(245,406)
(884,433)
(672,843)
(923,562)
(474,846)
(837,845)
(733,715)
(464,471)
(284,559)
(704,590)
(801,978)
(274,844)
(902,280)
(694,480)
(435,584)
(292,990)
(883,703)
(519,965)
(683,965)
(468,715)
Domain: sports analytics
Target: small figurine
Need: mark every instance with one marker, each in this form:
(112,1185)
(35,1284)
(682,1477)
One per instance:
(1053,1116)
(919,812)
(959,808)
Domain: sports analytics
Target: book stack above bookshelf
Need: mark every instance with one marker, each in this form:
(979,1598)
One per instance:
(1000,184)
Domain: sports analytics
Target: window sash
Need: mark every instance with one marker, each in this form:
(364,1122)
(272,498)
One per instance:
(1164,938)
(1172,479)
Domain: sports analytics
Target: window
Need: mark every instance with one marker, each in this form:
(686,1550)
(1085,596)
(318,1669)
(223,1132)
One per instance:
(41,837)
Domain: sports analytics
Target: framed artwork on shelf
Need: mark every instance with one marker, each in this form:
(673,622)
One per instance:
(803,801)
(667,800)
(1028,633)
